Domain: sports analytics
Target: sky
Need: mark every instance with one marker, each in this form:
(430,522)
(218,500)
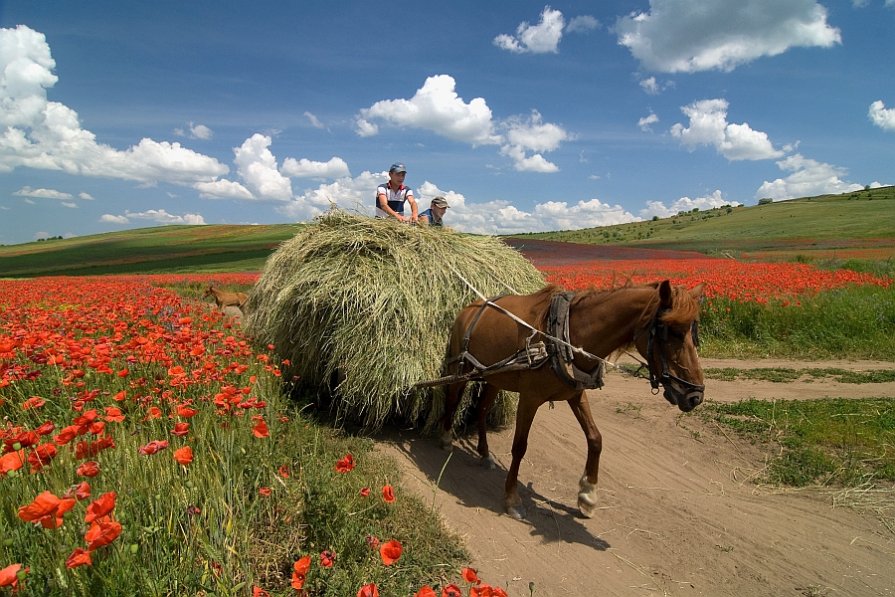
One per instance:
(526,116)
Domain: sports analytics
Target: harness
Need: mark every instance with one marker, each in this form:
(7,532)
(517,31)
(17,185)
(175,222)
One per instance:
(556,349)
(659,328)
(562,359)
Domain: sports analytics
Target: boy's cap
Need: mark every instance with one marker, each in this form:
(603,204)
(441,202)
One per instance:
(440,202)
(399,167)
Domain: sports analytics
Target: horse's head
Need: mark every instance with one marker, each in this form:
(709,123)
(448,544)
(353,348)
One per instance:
(209,291)
(669,346)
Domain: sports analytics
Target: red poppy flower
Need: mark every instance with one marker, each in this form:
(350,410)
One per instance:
(33,402)
(451,591)
(154,447)
(88,469)
(283,471)
(114,414)
(300,572)
(388,494)
(364,492)
(79,557)
(259,592)
(180,429)
(369,590)
(390,552)
(185,411)
(46,429)
(47,509)
(11,461)
(260,429)
(327,558)
(9,575)
(101,506)
(41,456)
(346,464)
(183,455)
(264,491)
(426,591)
(372,541)
(470,576)
(102,532)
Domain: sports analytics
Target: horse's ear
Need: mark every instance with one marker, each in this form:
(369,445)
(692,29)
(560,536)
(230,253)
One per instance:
(697,293)
(665,295)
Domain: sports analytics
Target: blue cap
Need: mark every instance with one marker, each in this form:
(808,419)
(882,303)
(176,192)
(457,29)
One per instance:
(399,167)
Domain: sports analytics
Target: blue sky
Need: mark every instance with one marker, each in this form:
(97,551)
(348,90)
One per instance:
(526,116)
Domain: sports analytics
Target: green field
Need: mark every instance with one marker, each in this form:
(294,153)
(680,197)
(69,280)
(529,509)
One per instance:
(858,225)
(808,226)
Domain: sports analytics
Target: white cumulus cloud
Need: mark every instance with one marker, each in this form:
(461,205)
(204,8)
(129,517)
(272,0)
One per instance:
(697,35)
(159,216)
(646,122)
(808,178)
(43,194)
(882,116)
(537,39)
(435,107)
(658,208)
(47,135)
(257,166)
(336,167)
(223,189)
(708,126)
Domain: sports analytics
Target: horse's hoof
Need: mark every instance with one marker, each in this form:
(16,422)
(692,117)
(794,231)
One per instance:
(587,497)
(516,512)
(446,441)
(488,463)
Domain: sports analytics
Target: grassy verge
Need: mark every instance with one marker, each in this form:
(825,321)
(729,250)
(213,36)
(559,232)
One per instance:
(853,322)
(828,442)
(784,375)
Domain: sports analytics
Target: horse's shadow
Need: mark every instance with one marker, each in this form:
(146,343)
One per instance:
(459,473)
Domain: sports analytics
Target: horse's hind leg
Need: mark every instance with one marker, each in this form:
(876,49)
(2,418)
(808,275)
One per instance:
(487,395)
(452,394)
(525,415)
(587,486)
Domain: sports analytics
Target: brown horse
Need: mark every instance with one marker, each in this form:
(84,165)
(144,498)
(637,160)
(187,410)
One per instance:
(226,299)
(658,319)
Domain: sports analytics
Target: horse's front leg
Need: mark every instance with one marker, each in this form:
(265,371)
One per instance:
(525,414)
(487,395)
(587,486)
(452,395)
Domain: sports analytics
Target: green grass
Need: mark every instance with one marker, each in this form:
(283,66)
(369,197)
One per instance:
(853,322)
(784,375)
(840,442)
(812,222)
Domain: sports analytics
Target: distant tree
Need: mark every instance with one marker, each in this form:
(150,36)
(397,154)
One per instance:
(765,201)
(655,218)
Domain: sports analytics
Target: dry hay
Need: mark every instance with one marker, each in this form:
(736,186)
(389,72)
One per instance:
(370,303)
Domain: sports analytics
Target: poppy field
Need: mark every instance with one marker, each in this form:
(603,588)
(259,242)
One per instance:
(148,448)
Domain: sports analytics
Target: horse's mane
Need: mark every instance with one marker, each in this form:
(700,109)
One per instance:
(683,311)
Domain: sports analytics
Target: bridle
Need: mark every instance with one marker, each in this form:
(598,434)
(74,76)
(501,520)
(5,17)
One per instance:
(660,329)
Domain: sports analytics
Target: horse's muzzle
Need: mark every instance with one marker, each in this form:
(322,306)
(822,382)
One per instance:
(686,401)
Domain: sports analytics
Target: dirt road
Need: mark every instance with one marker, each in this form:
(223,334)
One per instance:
(680,511)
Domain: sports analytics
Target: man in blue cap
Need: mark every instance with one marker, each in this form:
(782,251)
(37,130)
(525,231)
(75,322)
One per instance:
(392,195)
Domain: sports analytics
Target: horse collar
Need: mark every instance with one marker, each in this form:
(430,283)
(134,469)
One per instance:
(561,356)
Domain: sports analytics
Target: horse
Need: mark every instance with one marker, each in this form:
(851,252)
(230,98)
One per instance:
(659,319)
(226,299)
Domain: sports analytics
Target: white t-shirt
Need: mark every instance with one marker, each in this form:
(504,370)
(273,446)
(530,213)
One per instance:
(395,199)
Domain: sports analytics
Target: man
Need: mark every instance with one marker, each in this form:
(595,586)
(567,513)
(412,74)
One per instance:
(433,216)
(392,195)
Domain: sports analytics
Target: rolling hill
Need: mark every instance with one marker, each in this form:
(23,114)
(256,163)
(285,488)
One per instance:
(851,225)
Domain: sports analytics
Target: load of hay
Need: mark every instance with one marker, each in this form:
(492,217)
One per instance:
(363,308)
